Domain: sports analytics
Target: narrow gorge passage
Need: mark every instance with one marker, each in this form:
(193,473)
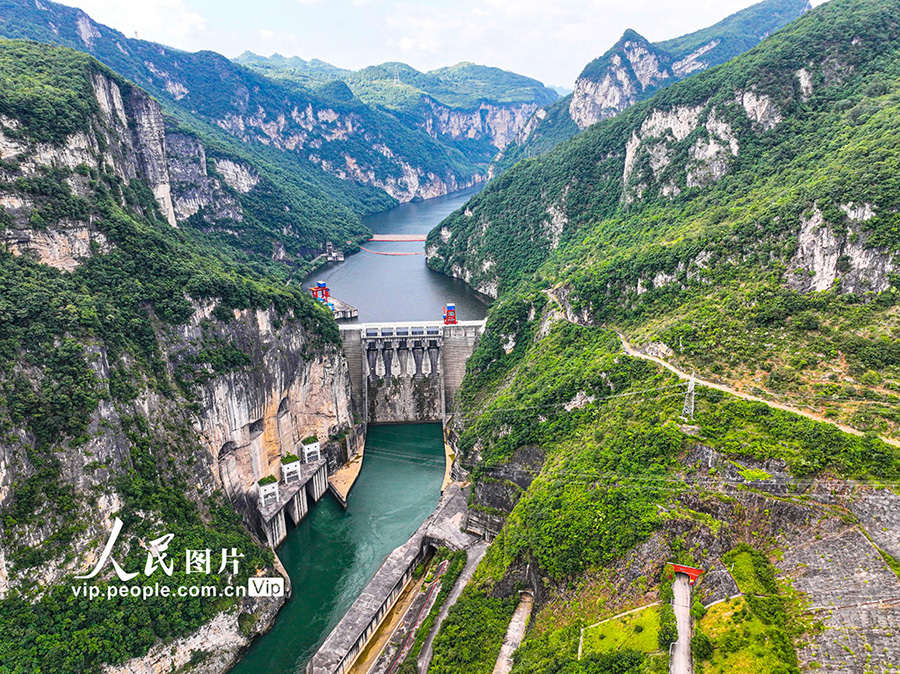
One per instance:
(334,552)
(390,287)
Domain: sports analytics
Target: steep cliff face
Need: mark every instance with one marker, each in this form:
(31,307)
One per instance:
(679,147)
(126,135)
(659,154)
(629,71)
(139,379)
(251,418)
(345,138)
(737,221)
(193,187)
(499,124)
(825,258)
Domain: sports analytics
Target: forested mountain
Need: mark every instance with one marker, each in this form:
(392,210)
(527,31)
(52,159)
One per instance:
(476,109)
(741,225)
(126,342)
(314,133)
(634,68)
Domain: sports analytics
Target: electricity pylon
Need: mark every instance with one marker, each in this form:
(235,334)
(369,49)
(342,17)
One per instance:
(687,412)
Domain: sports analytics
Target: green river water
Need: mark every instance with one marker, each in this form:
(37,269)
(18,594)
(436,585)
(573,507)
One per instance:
(334,552)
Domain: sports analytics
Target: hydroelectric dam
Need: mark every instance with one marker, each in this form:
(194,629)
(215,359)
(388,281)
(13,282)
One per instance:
(403,372)
(350,560)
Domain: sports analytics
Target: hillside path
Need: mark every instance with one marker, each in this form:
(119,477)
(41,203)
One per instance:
(476,552)
(514,634)
(631,351)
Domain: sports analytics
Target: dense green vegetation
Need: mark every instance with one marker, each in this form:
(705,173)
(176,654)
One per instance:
(46,92)
(627,257)
(107,334)
(471,634)
(731,635)
(723,41)
(722,253)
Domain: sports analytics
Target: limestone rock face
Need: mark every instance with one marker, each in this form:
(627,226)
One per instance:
(309,130)
(129,137)
(212,649)
(137,145)
(192,186)
(411,183)
(825,257)
(632,67)
(500,124)
(249,419)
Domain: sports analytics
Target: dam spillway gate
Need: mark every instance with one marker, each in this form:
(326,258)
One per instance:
(407,371)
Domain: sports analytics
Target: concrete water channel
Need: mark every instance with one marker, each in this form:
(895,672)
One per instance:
(333,553)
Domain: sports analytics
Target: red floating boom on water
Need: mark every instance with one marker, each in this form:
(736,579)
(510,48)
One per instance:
(691,572)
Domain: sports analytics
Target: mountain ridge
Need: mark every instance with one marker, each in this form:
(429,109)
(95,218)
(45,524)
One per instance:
(633,69)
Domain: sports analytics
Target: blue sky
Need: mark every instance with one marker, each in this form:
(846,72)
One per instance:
(550,40)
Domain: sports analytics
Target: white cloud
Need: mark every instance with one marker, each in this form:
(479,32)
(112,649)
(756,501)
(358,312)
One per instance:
(170,22)
(551,40)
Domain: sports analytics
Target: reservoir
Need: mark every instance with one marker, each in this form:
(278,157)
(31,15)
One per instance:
(334,552)
(402,287)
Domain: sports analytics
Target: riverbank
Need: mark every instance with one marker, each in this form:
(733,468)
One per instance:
(334,551)
(342,480)
(353,633)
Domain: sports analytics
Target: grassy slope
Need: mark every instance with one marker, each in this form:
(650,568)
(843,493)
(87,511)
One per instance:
(611,463)
(834,351)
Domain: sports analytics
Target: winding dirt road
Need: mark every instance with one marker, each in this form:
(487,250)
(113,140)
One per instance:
(631,351)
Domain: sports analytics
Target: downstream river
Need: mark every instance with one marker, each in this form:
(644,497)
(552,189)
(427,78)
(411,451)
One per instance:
(402,287)
(334,552)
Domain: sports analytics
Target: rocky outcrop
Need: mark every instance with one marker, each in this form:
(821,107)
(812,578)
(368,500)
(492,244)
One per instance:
(826,257)
(138,137)
(63,247)
(410,183)
(215,430)
(127,137)
(500,124)
(630,70)
(249,419)
(194,189)
(309,131)
(130,138)
(212,649)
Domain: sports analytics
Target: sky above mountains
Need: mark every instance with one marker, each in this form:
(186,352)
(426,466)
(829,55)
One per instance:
(550,40)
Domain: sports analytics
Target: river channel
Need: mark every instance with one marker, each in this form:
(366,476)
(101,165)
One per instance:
(402,287)
(334,552)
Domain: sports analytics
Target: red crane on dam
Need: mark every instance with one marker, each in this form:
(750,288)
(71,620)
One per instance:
(450,314)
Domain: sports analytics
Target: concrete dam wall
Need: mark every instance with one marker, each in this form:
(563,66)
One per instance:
(407,372)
